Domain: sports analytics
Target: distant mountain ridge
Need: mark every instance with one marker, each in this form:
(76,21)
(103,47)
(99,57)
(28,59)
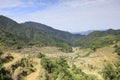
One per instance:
(86,32)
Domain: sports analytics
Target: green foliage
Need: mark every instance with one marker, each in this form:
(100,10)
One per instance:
(1,52)
(40,55)
(79,75)
(7,58)
(76,70)
(65,47)
(99,39)
(57,33)
(62,62)
(93,49)
(59,70)
(4,74)
(117,50)
(8,40)
(48,65)
(25,63)
(111,71)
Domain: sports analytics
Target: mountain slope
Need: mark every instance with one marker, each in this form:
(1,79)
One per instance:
(99,38)
(8,40)
(33,35)
(61,34)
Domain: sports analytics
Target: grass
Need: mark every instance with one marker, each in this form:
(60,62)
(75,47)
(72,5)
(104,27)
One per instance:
(87,52)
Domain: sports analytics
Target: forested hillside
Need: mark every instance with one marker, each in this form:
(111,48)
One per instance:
(60,34)
(36,31)
(11,41)
(33,35)
(99,39)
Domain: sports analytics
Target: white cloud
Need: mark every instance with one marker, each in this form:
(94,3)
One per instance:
(20,3)
(9,3)
(80,3)
(29,3)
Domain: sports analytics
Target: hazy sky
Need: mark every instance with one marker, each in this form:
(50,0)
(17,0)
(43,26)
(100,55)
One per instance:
(68,15)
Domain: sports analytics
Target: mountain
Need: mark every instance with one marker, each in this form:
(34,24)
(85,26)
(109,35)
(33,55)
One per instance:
(60,34)
(99,38)
(33,35)
(19,29)
(86,32)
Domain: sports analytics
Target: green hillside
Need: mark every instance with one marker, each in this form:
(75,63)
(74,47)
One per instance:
(32,35)
(99,39)
(60,34)
(11,41)
(32,29)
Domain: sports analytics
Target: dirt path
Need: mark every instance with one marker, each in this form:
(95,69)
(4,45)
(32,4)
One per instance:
(35,75)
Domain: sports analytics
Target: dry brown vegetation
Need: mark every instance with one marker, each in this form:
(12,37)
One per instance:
(24,64)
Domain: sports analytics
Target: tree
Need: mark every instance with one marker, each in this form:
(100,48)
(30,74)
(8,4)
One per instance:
(48,65)
(93,48)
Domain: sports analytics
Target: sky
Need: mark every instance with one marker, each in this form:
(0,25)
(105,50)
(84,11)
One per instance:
(67,15)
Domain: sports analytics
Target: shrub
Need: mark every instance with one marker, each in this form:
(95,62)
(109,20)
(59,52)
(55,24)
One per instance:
(59,70)
(47,64)
(65,48)
(25,62)
(7,58)
(62,62)
(93,48)
(19,47)
(4,74)
(1,52)
(40,55)
(117,50)
(111,72)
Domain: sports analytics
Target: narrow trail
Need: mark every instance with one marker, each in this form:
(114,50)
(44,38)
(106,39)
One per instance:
(35,75)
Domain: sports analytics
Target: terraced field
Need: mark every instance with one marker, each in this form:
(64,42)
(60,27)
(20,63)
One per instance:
(90,62)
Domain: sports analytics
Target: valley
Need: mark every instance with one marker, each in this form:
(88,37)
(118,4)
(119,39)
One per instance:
(34,51)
